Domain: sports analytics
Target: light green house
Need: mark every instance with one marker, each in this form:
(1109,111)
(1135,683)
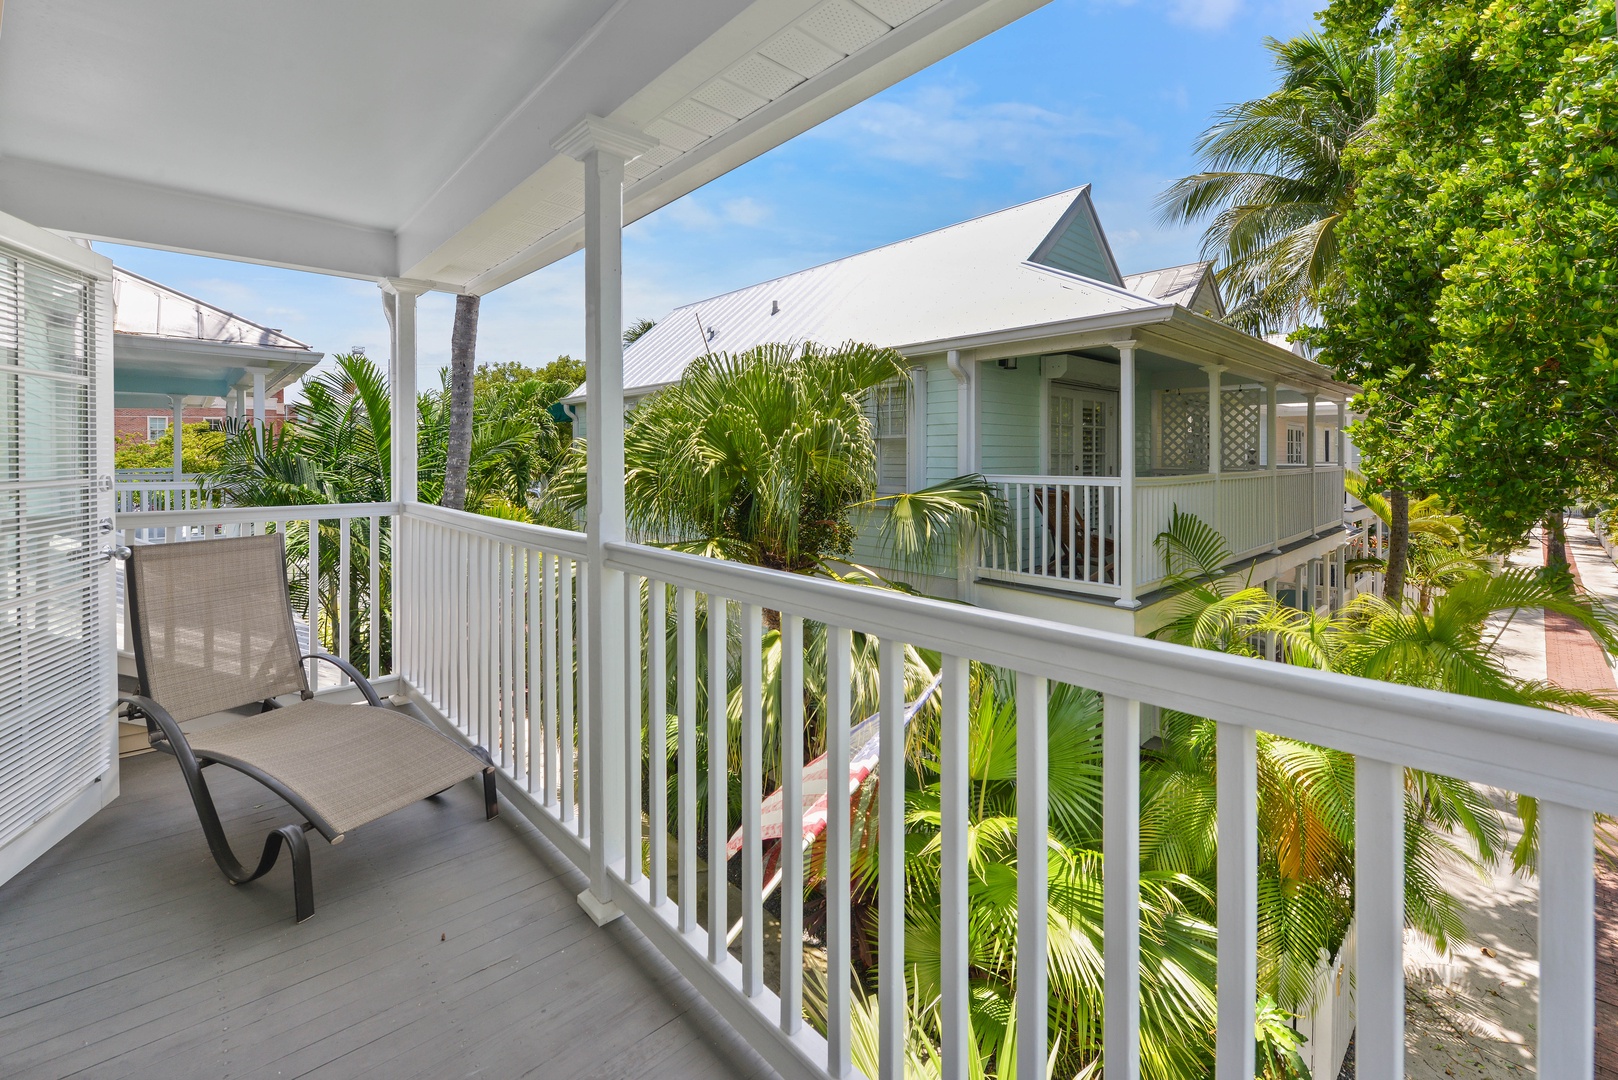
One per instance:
(1085,395)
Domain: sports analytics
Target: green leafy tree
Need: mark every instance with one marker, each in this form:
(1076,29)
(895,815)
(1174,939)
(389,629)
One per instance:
(1475,300)
(200,450)
(1274,185)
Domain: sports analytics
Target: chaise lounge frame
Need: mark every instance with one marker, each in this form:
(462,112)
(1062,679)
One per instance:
(262,679)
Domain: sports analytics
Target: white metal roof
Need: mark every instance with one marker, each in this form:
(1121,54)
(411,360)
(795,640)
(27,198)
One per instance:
(411,138)
(1177,285)
(969,278)
(148,309)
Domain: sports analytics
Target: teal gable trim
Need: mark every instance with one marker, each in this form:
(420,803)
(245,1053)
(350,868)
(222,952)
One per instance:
(1078,245)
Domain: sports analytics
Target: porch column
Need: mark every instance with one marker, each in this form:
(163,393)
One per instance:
(605,147)
(1216,420)
(965,371)
(1342,438)
(1124,550)
(1309,460)
(258,404)
(1272,428)
(399,304)
(177,403)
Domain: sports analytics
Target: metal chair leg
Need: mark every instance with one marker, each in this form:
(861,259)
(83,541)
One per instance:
(491,799)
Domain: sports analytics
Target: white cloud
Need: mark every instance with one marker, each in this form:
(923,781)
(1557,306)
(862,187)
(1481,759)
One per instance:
(1205,14)
(699,214)
(944,128)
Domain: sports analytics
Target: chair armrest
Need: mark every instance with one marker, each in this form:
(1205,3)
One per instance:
(170,728)
(352,672)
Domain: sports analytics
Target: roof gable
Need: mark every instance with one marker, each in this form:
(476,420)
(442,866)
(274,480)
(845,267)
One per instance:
(1192,286)
(1077,244)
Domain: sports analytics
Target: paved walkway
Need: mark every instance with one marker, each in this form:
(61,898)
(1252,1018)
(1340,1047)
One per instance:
(1472,1013)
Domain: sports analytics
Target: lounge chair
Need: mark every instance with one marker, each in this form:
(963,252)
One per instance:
(1075,549)
(213,633)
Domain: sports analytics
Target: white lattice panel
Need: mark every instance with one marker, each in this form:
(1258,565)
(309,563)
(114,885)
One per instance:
(1184,430)
(1241,415)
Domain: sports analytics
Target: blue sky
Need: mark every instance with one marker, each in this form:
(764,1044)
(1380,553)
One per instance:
(1106,92)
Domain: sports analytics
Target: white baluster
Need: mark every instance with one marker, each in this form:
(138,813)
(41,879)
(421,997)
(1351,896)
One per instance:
(657,736)
(1120,864)
(632,729)
(567,668)
(1567,932)
(839,672)
(954,775)
(685,629)
(1379,869)
(791,823)
(1237,785)
(752,793)
(1033,840)
(718,780)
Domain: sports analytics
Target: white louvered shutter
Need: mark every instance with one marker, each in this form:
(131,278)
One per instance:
(57,664)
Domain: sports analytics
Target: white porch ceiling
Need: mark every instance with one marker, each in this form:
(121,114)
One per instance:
(403,138)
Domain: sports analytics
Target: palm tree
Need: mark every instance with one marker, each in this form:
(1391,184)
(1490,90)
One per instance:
(767,457)
(1274,183)
(1306,792)
(463,343)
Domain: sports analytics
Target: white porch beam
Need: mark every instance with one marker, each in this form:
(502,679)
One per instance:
(605,148)
(1123,550)
(399,304)
(177,403)
(124,211)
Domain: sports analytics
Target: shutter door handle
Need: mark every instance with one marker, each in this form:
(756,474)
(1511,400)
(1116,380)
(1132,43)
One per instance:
(115,551)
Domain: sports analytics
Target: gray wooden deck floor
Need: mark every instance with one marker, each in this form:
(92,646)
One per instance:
(442,945)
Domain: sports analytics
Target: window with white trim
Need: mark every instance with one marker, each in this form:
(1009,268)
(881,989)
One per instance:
(156,427)
(1295,446)
(887,406)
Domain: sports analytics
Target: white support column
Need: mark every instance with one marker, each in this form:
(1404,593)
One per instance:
(259,411)
(1124,550)
(1272,428)
(604,147)
(399,303)
(1216,419)
(177,426)
(1309,460)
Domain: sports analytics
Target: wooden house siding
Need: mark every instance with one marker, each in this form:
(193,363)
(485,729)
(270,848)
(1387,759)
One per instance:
(1007,402)
(943,423)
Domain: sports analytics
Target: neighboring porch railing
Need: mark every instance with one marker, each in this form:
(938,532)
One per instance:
(491,645)
(159,489)
(1061,531)
(1064,531)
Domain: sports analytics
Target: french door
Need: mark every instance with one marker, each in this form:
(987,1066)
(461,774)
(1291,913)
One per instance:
(58,674)
(1083,432)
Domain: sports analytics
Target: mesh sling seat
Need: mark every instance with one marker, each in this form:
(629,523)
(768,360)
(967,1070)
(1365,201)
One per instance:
(213,632)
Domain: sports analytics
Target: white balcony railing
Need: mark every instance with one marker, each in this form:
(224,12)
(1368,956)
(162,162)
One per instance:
(491,621)
(1061,531)
(1064,532)
(137,490)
